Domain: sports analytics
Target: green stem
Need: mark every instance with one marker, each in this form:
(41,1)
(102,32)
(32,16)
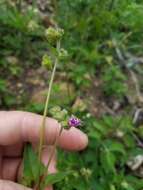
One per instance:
(51,155)
(111,5)
(42,128)
(19,4)
(55,4)
(54,148)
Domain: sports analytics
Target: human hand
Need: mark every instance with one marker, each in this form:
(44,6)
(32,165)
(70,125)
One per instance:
(17,128)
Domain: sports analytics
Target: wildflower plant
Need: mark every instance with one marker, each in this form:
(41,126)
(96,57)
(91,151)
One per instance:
(35,174)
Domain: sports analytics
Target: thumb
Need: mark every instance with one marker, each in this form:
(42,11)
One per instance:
(8,185)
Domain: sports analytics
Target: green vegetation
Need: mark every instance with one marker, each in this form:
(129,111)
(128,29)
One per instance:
(104,42)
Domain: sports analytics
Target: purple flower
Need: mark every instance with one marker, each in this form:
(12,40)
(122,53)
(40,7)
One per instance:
(74,121)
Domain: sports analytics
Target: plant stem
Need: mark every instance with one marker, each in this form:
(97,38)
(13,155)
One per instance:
(54,148)
(111,5)
(55,4)
(42,128)
(19,4)
(51,155)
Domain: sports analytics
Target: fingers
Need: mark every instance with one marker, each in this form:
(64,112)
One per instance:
(73,140)
(0,162)
(18,127)
(8,185)
(13,150)
(10,168)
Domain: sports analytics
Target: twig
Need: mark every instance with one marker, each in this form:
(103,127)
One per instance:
(118,51)
(137,87)
(136,115)
(140,144)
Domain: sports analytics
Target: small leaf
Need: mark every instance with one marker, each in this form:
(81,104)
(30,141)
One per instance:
(108,161)
(99,127)
(54,178)
(95,135)
(33,168)
(115,146)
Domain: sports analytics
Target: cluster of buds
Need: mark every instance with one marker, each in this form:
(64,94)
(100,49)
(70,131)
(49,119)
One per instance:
(86,172)
(53,34)
(63,117)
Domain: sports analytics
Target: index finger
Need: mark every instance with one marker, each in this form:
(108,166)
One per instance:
(18,126)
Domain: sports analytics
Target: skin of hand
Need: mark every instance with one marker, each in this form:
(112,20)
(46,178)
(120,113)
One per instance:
(17,128)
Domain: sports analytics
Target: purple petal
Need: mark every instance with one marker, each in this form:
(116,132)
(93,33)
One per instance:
(74,122)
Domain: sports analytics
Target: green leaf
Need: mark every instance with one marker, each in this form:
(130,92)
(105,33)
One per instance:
(54,178)
(108,161)
(95,135)
(115,146)
(99,127)
(2,85)
(33,168)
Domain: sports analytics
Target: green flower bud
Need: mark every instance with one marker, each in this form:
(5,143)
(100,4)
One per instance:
(32,25)
(53,35)
(86,172)
(54,110)
(59,114)
(46,61)
(63,54)
(64,123)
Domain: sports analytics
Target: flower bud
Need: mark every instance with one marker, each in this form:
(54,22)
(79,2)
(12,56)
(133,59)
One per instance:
(54,110)
(86,172)
(59,114)
(53,35)
(46,61)
(63,54)
(32,25)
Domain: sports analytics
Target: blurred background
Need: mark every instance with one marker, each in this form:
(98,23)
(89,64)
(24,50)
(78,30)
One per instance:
(101,82)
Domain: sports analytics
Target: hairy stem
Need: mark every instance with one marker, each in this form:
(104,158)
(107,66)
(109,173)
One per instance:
(42,128)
